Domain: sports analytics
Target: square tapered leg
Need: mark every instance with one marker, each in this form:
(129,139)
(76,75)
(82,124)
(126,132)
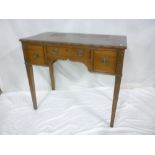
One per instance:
(115,98)
(29,69)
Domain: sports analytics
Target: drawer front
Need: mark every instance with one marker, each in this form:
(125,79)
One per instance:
(70,52)
(105,61)
(54,52)
(35,54)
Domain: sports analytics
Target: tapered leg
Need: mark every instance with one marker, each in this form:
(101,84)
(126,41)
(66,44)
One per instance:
(51,69)
(115,98)
(0,91)
(29,69)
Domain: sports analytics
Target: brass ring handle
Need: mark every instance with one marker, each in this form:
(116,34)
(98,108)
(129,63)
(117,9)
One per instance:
(105,61)
(35,54)
(55,50)
(79,52)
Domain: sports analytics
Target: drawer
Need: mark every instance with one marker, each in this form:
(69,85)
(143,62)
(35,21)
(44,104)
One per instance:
(54,52)
(105,60)
(70,52)
(35,54)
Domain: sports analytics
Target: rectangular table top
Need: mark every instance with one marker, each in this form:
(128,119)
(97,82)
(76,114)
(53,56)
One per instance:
(97,40)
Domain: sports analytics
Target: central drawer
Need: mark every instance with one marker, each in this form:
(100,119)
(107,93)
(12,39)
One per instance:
(72,53)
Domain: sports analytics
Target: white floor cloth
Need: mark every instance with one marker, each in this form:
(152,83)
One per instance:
(85,111)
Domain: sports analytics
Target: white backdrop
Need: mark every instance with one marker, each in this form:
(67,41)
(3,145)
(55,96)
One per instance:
(80,110)
(139,64)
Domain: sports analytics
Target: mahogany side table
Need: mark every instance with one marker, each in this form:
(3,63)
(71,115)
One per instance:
(100,53)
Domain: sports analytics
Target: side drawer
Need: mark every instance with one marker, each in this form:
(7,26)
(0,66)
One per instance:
(34,54)
(105,60)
